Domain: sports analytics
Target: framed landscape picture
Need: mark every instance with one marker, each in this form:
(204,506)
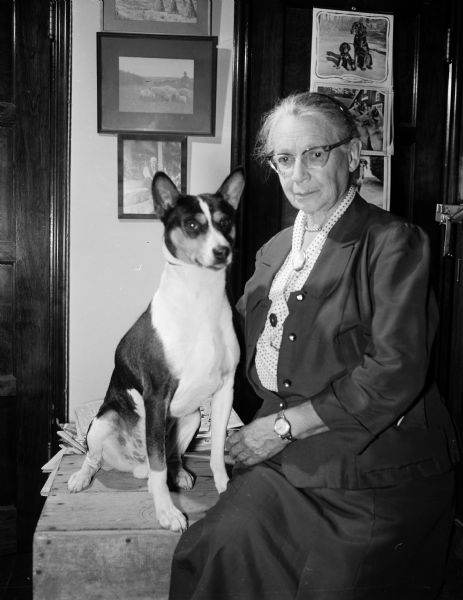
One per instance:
(156,84)
(173,17)
(139,157)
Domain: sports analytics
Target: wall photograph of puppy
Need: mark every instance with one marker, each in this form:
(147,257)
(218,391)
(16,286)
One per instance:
(139,158)
(352,47)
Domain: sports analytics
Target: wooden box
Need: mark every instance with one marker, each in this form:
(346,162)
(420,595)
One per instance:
(105,542)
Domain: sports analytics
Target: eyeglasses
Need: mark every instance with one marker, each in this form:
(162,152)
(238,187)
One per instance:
(312,158)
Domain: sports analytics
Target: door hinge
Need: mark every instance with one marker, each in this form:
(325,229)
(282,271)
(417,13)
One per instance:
(51,20)
(448,215)
(448,46)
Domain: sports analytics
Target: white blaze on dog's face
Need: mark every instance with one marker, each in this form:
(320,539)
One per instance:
(199,229)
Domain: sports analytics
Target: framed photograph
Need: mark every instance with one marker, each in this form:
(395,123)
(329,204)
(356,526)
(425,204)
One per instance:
(156,84)
(172,17)
(373,184)
(138,158)
(352,46)
(371,110)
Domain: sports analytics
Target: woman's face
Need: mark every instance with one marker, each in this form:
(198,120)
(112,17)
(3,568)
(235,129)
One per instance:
(314,190)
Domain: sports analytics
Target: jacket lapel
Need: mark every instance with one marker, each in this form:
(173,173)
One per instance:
(337,250)
(323,279)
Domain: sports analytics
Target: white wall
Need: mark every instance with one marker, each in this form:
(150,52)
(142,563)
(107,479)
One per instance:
(115,265)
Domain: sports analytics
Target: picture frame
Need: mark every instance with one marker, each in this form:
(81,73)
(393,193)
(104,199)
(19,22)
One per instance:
(352,47)
(371,109)
(156,84)
(374,181)
(138,158)
(181,17)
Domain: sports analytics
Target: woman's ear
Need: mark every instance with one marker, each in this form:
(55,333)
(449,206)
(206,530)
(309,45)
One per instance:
(354,154)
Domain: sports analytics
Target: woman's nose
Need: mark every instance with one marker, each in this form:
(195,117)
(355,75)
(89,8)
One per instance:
(300,171)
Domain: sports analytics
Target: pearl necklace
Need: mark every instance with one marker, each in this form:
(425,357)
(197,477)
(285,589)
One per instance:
(313,228)
(301,224)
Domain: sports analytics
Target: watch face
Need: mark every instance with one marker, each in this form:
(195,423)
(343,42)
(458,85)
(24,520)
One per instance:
(281,426)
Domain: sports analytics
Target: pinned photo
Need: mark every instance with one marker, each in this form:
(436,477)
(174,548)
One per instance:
(373,181)
(352,46)
(371,110)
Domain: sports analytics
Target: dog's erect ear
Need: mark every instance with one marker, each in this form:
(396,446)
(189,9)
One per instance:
(232,188)
(165,194)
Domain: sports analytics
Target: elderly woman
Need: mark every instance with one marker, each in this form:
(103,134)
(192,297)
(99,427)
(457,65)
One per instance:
(343,483)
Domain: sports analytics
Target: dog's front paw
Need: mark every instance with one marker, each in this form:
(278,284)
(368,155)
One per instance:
(184,479)
(171,518)
(79,481)
(221,482)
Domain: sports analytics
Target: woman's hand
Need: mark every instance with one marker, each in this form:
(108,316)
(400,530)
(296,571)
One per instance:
(255,442)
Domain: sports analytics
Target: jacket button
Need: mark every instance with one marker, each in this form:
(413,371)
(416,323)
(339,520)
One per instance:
(300,297)
(286,383)
(292,337)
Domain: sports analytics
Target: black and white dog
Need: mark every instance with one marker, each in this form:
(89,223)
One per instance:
(181,351)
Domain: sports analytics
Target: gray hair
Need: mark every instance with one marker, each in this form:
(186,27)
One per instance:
(302,105)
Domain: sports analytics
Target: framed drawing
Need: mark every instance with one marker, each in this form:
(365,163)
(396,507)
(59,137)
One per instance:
(138,159)
(172,17)
(156,84)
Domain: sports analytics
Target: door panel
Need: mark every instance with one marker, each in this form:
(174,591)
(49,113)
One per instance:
(34,126)
(7,268)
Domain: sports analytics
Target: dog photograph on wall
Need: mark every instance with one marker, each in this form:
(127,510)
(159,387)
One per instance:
(139,157)
(371,111)
(175,17)
(374,177)
(352,47)
(156,83)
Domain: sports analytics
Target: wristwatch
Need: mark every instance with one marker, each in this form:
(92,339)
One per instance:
(282,427)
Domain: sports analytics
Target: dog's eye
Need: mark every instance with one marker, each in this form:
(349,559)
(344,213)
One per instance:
(225,223)
(192,226)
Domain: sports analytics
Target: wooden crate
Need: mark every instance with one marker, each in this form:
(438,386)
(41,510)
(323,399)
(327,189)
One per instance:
(105,542)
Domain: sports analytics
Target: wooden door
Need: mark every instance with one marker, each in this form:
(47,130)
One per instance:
(272,59)
(34,78)
(449,347)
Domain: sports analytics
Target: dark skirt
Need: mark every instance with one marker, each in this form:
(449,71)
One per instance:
(267,540)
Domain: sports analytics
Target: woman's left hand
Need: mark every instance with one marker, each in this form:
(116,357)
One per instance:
(255,442)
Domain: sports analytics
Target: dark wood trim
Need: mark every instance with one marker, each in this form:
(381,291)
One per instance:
(31,194)
(240,83)
(454,104)
(239,129)
(42,42)
(60,128)
(445,359)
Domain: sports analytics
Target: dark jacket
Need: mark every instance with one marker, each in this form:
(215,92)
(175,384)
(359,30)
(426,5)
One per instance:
(364,323)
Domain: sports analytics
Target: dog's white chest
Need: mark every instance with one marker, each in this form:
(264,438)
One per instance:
(193,319)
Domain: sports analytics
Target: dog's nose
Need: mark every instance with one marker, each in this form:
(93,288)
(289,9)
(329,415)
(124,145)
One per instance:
(221,252)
